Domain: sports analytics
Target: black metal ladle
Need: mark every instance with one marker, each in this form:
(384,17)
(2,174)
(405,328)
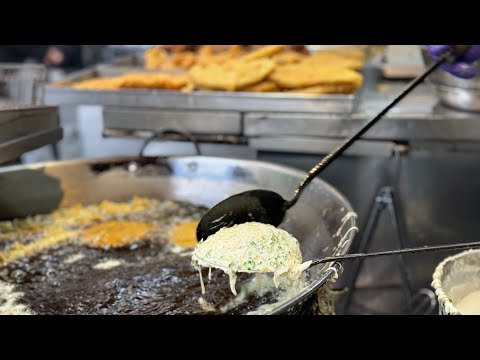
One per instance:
(268,207)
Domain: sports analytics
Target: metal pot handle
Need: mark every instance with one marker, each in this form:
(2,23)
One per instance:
(162,134)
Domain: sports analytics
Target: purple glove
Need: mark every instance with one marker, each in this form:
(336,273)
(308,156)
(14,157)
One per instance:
(463,67)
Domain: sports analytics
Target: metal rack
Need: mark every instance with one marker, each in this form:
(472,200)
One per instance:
(23,83)
(25,124)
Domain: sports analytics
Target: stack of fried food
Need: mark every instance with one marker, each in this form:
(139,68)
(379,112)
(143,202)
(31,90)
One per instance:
(250,68)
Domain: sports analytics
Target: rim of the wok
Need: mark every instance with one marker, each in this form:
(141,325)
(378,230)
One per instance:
(305,294)
(445,302)
(331,271)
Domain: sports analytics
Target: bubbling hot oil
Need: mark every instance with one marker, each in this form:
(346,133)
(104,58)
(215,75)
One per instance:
(148,276)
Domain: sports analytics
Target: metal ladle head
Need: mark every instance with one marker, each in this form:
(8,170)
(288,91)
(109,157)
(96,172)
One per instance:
(262,206)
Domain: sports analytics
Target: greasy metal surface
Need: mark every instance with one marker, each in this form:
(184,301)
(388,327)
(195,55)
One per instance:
(13,149)
(199,180)
(177,139)
(197,100)
(461,98)
(26,127)
(315,145)
(19,120)
(200,122)
(433,124)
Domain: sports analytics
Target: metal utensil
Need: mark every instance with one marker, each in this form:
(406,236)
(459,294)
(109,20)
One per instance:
(381,253)
(268,206)
(396,252)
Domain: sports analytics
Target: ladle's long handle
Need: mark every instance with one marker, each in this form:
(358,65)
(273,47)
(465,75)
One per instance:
(332,156)
(397,252)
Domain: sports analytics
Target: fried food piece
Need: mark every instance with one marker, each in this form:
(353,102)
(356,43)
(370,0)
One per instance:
(288,57)
(232,75)
(84,215)
(184,60)
(138,81)
(306,74)
(155,58)
(325,89)
(51,236)
(185,234)
(236,50)
(179,61)
(218,54)
(264,52)
(155,81)
(180,48)
(264,86)
(106,83)
(116,234)
(331,58)
(159,59)
(357,52)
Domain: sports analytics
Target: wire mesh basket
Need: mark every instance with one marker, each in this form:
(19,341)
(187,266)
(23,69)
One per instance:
(22,83)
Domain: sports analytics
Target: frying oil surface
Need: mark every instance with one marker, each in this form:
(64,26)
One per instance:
(111,258)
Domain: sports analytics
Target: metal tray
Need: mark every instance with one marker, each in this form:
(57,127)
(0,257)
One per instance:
(197,100)
(14,148)
(198,122)
(18,120)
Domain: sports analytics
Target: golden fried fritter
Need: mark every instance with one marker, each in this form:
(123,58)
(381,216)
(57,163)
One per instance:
(185,234)
(184,60)
(155,81)
(106,83)
(116,234)
(288,57)
(155,58)
(307,74)
(264,52)
(232,75)
(158,59)
(218,54)
(331,58)
(264,86)
(140,80)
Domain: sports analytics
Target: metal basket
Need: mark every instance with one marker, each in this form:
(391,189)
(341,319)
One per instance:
(454,278)
(22,83)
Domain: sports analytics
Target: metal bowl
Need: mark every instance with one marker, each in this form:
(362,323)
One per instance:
(316,221)
(454,278)
(452,91)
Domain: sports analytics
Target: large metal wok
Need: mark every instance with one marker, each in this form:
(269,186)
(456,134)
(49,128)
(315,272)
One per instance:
(315,221)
